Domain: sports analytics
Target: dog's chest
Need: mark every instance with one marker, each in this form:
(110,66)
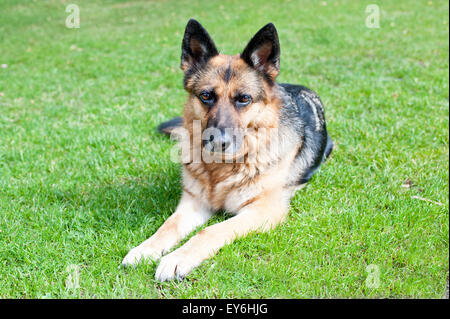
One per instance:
(233,187)
(221,186)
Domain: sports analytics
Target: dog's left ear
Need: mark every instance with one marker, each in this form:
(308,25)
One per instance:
(263,51)
(197,47)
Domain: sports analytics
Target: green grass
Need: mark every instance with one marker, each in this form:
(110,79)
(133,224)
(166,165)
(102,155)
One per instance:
(84,176)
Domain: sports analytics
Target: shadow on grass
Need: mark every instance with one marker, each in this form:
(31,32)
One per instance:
(147,196)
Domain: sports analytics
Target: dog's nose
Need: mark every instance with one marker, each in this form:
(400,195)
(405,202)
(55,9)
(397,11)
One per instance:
(217,140)
(222,141)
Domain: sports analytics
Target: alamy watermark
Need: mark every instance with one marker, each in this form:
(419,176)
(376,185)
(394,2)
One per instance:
(73,19)
(73,277)
(373,16)
(373,276)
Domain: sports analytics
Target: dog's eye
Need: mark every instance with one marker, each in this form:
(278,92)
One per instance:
(206,98)
(243,100)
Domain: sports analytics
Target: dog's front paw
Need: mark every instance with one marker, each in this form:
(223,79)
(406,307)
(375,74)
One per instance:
(138,254)
(175,266)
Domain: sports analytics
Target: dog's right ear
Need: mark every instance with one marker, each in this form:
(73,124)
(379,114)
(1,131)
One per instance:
(197,47)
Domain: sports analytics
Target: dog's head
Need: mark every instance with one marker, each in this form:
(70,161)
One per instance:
(229,94)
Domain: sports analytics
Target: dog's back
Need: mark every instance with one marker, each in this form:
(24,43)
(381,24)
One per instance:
(303,113)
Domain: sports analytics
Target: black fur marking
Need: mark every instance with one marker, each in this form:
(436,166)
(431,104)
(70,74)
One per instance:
(169,126)
(328,148)
(189,73)
(268,79)
(227,75)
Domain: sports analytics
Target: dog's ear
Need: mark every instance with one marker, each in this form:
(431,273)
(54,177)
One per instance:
(197,46)
(263,51)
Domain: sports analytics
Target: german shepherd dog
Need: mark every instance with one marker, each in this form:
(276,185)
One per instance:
(245,177)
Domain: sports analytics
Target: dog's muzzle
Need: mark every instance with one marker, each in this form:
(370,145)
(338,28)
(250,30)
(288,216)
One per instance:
(222,140)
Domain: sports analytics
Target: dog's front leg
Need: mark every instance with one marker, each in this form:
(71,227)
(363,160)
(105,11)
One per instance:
(261,215)
(189,214)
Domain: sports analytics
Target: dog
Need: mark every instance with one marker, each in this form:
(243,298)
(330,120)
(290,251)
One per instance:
(242,175)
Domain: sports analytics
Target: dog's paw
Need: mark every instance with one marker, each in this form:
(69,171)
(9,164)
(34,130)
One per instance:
(174,266)
(139,254)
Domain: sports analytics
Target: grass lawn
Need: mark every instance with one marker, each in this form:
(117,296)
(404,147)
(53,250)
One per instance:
(84,176)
